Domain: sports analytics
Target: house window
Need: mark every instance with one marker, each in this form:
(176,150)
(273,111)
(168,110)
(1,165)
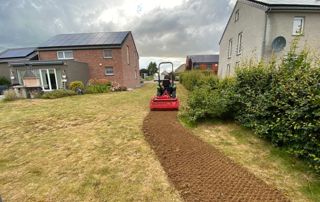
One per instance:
(196,66)
(237,64)
(108,71)
(298,26)
(239,45)
(236,16)
(128,57)
(64,55)
(107,53)
(230,48)
(228,70)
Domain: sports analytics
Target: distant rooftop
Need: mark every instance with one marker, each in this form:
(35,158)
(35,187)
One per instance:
(289,2)
(17,53)
(204,58)
(85,39)
(181,68)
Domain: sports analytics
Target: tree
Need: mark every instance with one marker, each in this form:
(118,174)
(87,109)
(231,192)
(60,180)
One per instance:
(144,71)
(152,68)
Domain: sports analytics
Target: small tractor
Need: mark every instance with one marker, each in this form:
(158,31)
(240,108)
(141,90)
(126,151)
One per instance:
(166,92)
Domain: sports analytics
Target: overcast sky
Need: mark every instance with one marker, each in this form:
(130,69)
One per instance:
(162,29)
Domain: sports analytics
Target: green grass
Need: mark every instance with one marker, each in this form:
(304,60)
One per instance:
(149,78)
(91,148)
(80,148)
(273,165)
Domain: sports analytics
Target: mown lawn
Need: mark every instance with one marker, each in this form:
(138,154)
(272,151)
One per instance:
(82,148)
(273,165)
(91,148)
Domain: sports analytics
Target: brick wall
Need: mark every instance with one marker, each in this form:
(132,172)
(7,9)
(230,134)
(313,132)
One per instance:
(213,67)
(124,74)
(131,75)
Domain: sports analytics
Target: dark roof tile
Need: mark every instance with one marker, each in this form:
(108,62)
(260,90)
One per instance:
(204,58)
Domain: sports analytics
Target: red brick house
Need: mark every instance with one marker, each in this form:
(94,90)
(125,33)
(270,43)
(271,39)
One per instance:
(203,62)
(109,55)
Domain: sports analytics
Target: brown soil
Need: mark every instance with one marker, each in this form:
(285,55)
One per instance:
(199,171)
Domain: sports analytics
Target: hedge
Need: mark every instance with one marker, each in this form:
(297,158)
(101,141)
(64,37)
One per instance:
(58,94)
(280,102)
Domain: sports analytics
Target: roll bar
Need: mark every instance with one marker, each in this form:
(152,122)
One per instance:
(162,63)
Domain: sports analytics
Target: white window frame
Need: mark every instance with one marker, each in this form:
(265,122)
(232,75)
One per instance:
(128,56)
(64,55)
(104,55)
(236,16)
(108,74)
(49,80)
(230,48)
(239,45)
(294,29)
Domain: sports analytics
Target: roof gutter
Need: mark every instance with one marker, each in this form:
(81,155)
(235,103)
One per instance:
(77,47)
(37,63)
(265,32)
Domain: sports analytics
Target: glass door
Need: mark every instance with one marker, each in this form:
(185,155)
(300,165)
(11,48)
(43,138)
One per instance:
(48,79)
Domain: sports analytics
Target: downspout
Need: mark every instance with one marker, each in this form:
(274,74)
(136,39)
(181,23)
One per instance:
(265,33)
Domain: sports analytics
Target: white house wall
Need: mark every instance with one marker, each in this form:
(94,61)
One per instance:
(281,24)
(252,24)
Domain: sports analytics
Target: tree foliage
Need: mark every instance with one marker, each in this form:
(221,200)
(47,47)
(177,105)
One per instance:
(152,68)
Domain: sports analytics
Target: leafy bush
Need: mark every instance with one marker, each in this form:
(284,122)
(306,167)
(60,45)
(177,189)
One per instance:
(283,104)
(10,95)
(76,85)
(280,102)
(195,79)
(99,82)
(4,81)
(58,94)
(91,89)
(212,100)
(98,86)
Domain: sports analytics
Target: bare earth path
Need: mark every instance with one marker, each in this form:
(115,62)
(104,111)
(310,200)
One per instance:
(199,171)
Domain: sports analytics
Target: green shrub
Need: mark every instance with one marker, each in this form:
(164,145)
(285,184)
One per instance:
(195,79)
(97,89)
(4,81)
(76,85)
(99,82)
(98,86)
(280,102)
(212,100)
(58,94)
(283,104)
(10,95)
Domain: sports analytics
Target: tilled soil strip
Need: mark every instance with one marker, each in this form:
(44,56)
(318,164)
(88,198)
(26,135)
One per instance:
(199,171)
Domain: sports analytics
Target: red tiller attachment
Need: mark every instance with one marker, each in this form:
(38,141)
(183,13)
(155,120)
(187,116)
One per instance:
(164,102)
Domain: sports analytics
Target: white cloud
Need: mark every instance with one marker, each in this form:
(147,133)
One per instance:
(144,61)
(161,28)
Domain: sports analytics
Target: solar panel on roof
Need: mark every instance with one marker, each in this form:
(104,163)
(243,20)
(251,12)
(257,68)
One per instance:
(101,38)
(16,53)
